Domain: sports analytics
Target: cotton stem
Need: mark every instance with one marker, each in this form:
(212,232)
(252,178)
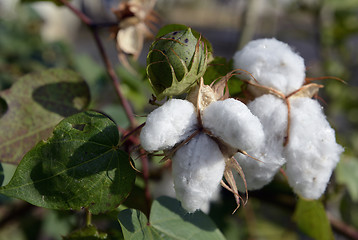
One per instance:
(88,218)
(108,64)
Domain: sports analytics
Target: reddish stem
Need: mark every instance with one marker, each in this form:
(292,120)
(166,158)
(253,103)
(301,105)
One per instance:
(108,64)
(126,106)
(343,228)
(145,170)
(78,13)
(287,137)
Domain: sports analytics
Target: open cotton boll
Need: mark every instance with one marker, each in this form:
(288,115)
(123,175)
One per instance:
(272,113)
(273,64)
(198,168)
(169,124)
(231,121)
(257,173)
(312,152)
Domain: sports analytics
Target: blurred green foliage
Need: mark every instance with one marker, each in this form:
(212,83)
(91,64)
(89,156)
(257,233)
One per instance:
(268,215)
(22,49)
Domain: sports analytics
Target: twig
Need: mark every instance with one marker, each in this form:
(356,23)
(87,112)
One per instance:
(78,13)
(115,80)
(127,135)
(108,64)
(343,228)
(88,218)
(145,170)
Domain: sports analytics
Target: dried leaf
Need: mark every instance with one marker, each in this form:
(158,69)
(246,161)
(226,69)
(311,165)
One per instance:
(308,90)
(231,163)
(220,87)
(130,40)
(201,96)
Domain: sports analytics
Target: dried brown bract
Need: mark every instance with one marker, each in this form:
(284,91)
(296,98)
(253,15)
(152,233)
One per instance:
(136,22)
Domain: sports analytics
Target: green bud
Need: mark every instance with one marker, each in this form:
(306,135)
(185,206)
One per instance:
(176,61)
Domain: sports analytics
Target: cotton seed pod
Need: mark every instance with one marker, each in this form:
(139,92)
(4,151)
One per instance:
(175,61)
(312,152)
(231,121)
(273,64)
(168,125)
(272,113)
(198,168)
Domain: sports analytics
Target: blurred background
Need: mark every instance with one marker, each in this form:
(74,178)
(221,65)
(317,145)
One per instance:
(40,35)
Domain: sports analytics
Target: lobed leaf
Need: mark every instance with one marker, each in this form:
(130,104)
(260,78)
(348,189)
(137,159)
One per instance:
(34,105)
(168,220)
(80,166)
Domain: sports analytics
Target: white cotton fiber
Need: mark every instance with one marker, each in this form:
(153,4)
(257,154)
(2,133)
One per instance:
(272,112)
(198,168)
(168,125)
(273,64)
(312,152)
(231,121)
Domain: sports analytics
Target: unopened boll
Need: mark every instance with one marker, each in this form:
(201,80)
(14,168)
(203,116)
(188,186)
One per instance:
(168,125)
(273,64)
(312,152)
(233,122)
(198,168)
(272,112)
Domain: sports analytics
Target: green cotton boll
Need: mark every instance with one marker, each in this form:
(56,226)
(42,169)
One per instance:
(175,62)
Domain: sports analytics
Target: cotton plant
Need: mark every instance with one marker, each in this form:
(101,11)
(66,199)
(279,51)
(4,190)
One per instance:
(298,135)
(201,133)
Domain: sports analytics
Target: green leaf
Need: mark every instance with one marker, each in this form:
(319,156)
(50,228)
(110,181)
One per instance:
(217,68)
(311,218)
(168,220)
(80,166)
(35,104)
(347,173)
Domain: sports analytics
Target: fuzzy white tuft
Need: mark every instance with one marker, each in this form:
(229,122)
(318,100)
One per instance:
(231,121)
(198,168)
(312,152)
(273,64)
(168,125)
(272,112)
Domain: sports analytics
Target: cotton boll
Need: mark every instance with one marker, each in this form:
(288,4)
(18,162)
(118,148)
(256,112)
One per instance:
(272,112)
(273,64)
(233,122)
(257,173)
(312,152)
(169,124)
(198,168)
